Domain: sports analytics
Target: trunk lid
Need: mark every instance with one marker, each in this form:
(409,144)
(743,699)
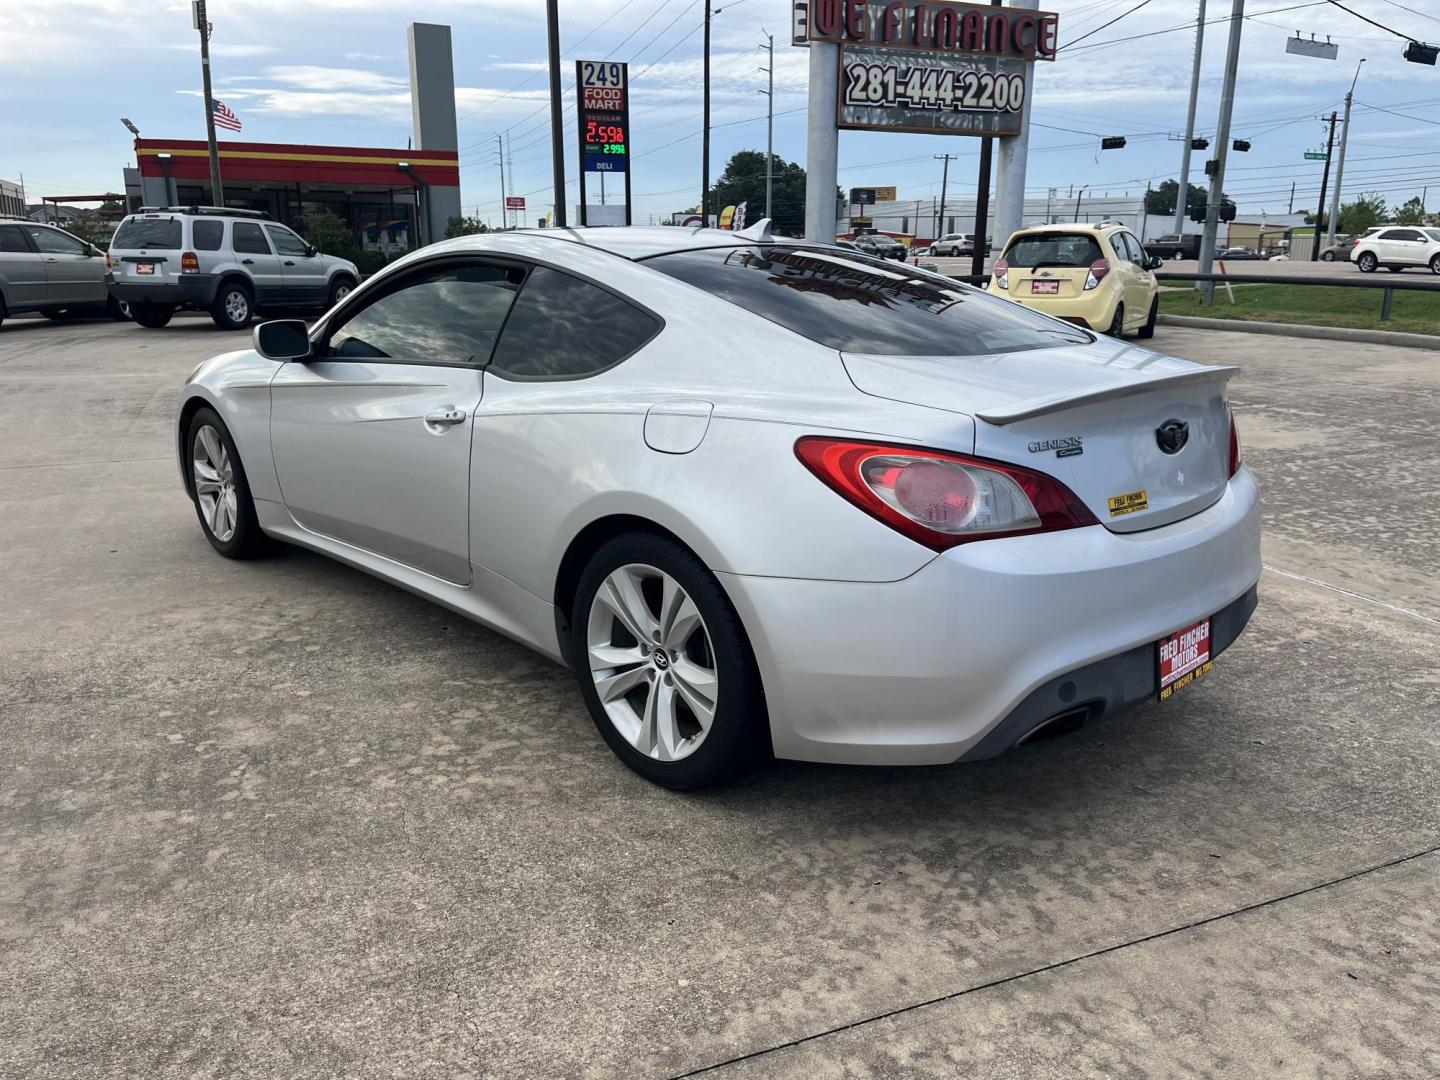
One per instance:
(1090,416)
(1055,282)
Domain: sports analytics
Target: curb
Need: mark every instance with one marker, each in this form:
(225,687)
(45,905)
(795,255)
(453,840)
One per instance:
(1328,333)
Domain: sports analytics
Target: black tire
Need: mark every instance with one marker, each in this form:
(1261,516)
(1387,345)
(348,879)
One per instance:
(1367,262)
(247,541)
(152,316)
(1435,265)
(1117,324)
(739,730)
(1394,269)
(1148,330)
(3,311)
(116,310)
(339,289)
(234,307)
(1328,256)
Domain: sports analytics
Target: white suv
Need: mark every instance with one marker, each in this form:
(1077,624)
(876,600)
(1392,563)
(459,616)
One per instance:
(1398,247)
(227,262)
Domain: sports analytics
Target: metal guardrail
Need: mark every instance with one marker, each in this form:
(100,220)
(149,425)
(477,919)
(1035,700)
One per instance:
(1389,284)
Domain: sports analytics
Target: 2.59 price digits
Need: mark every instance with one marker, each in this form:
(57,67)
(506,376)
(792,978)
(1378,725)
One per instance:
(887,85)
(611,136)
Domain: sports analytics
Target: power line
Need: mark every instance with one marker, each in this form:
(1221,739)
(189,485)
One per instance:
(1366,18)
(1102,26)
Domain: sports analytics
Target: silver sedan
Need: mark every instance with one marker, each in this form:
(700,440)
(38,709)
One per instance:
(764,496)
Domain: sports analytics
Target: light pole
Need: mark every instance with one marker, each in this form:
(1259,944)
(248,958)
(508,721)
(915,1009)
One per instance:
(1078,196)
(705,136)
(1182,193)
(770,127)
(202,24)
(1340,164)
(557,119)
(1222,139)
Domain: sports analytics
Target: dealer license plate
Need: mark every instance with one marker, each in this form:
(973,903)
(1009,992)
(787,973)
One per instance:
(1184,656)
(144,268)
(1044,286)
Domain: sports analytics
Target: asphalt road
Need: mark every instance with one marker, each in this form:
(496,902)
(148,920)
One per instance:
(279,819)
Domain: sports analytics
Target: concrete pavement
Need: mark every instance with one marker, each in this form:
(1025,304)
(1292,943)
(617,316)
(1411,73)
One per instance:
(280,819)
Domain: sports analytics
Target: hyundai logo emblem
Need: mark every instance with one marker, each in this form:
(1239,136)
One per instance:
(1172,435)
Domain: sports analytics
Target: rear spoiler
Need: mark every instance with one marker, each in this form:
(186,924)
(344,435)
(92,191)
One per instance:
(1025,410)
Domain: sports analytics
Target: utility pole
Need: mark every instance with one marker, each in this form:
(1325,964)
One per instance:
(500,157)
(705,137)
(1222,139)
(202,23)
(1340,165)
(1182,193)
(982,207)
(1292,197)
(557,119)
(944,183)
(1324,181)
(770,128)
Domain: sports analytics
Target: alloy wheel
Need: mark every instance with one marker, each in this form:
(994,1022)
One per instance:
(341,291)
(237,306)
(651,662)
(213,475)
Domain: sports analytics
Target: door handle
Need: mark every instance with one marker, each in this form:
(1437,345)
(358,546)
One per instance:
(248,262)
(289,262)
(445,417)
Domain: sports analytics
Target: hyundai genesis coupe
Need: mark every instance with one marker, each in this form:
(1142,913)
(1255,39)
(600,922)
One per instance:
(763,495)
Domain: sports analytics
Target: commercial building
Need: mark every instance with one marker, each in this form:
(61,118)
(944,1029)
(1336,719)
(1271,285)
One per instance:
(388,197)
(12,199)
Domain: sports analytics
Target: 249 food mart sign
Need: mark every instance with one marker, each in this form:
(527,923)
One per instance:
(935,68)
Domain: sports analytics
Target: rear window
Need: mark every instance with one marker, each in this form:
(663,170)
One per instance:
(207,235)
(855,304)
(1054,249)
(161,233)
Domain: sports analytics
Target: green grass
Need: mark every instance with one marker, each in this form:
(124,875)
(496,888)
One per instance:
(1314,305)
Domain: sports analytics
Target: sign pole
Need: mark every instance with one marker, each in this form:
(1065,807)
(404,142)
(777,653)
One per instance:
(202,23)
(1014,158)
(822,143)
(557,119)
(1324,183)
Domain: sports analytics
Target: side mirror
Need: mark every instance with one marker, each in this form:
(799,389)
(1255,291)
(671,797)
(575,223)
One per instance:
(311,251)
(1154,262)
(282,340)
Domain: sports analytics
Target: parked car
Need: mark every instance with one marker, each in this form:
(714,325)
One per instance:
(228,262)
(1239,254)
(46,269)
(954,245)
(1097,276)
(1396,248)
(875,516)
(1174,246)
(882,247)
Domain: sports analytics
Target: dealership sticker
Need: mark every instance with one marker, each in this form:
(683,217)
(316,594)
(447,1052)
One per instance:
(1184,656)
(1129,503)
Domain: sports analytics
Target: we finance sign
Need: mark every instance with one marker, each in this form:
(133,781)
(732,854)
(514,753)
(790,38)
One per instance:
(936,27)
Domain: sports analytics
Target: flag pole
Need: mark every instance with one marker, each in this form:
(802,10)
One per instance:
(202,23)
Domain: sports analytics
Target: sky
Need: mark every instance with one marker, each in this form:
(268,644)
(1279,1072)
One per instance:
(335,72)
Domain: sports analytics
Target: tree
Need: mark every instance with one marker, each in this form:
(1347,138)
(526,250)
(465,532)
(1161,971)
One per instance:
(1412,212)
(328,232)
(1161,200)
(744,181)
(459,225)
(1359,214)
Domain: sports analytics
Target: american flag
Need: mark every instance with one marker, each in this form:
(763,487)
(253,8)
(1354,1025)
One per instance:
(225,118)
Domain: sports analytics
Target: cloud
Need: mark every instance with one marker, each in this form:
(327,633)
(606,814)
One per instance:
(223,50)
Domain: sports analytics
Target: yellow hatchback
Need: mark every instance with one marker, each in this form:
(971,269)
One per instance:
(1097,276)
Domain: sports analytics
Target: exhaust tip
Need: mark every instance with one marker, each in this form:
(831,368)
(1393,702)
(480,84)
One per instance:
(1064,723)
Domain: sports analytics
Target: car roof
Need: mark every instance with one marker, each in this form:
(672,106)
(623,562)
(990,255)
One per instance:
(1073,226)
(634,242)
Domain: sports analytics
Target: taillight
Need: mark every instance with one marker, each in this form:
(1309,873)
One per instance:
(1235,458)
(1001,271)
(1098,269)
(189,263)
(941,499)
(109,263)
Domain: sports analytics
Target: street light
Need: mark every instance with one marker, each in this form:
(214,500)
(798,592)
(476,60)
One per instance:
(132,128)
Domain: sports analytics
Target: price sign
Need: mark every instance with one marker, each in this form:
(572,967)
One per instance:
(604,115)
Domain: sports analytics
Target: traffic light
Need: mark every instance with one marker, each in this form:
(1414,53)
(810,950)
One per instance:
(1417,53)
(1241,145)
(1212,167)
(1113,142)
(1199,144)
(1197,213)
(1227,211)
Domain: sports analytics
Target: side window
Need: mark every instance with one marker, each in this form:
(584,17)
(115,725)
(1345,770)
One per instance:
(12,240)
(285,241)
(55,242)
(565,328)
(248,238)
(1127,247)
(206,235)
(451,315)
(1407,234)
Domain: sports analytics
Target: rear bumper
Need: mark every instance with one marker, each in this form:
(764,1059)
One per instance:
(968,654)
(190,290)
(1096,310)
